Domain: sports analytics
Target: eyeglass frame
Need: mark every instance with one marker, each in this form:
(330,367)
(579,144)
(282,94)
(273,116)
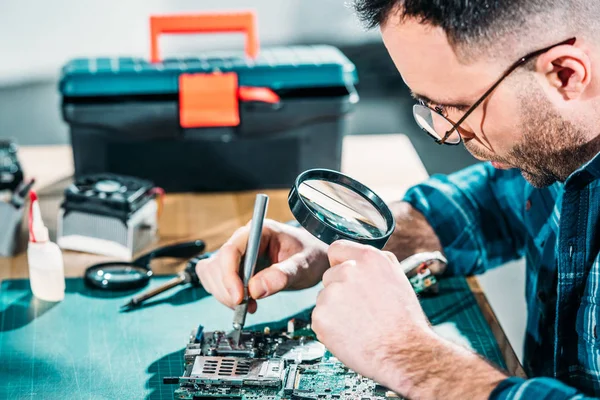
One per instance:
(510,70)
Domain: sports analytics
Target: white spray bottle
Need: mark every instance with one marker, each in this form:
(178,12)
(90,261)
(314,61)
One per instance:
(46,268)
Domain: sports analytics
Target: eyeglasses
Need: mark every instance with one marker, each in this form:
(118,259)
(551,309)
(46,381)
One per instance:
(441,129)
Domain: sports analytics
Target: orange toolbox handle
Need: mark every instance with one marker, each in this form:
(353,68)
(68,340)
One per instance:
(244,22)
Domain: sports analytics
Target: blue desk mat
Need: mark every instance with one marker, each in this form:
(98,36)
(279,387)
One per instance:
(84,348)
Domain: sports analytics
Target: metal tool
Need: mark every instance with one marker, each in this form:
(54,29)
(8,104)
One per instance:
(188,275)
(249,262)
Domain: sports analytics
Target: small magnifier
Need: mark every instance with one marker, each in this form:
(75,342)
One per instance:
(332,206)
(123,275)
(118,276)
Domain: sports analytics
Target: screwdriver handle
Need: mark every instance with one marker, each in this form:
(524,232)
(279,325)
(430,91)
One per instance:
(171,283)
(253,246)
(250,258)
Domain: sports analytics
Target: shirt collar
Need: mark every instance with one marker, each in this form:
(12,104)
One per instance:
(586,174)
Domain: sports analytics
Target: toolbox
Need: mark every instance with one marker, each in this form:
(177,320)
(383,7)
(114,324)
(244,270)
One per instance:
(221,121)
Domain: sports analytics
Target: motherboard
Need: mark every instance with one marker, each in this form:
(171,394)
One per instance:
(283,364)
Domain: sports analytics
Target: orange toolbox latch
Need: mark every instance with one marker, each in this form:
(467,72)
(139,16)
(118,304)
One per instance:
(212,100)
(208,100)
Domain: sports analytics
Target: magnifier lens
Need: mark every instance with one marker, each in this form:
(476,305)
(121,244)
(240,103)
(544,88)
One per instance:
(118,276)
(343,208)
(333,206)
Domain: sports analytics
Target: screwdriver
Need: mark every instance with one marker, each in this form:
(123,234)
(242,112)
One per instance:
(249,263)
(188,275)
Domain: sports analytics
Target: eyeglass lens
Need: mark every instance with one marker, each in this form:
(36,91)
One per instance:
(436,125)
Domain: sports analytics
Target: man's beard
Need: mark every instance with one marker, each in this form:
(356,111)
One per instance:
(550,148)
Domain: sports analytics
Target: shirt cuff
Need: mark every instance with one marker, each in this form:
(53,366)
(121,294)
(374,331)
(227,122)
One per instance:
(515,388)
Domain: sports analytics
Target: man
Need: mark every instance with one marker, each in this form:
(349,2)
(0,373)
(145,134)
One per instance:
(518,81)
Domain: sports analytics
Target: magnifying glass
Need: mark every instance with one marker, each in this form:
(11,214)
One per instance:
(333,206)
(122,275)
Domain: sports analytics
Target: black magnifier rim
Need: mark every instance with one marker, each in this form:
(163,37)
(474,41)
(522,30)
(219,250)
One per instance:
(145,275)
(324,230)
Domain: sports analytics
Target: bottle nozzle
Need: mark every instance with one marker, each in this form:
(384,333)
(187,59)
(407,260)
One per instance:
(38,233)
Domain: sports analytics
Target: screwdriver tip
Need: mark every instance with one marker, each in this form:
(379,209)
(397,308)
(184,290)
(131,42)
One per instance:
(127,306)
(236,336)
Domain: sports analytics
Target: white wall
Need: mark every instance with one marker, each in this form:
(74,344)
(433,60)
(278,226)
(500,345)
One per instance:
(38,36)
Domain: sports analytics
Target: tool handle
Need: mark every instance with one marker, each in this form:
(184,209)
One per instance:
(171,283)
(253,246)
(244,22)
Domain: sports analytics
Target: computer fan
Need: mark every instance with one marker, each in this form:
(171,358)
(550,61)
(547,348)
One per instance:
(108,214)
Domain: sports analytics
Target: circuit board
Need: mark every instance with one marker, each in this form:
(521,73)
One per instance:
(287,364)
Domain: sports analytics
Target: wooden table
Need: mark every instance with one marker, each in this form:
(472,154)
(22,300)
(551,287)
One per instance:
(386,163)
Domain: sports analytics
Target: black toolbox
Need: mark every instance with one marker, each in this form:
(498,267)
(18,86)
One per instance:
(222,121)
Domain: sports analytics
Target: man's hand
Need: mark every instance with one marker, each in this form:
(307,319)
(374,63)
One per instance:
(298,262)
(366,309)
(370,318)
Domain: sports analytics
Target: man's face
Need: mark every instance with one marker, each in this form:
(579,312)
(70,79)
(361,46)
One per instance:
(513,128)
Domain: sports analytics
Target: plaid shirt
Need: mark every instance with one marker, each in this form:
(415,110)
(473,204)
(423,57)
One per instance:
(485,217)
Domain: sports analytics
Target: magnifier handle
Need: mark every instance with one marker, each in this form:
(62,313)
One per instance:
(179,250)
(183,250)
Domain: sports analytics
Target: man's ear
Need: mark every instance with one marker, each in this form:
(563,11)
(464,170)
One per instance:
(567,69)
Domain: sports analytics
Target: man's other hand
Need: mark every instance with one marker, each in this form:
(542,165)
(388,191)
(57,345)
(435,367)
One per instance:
(366,308)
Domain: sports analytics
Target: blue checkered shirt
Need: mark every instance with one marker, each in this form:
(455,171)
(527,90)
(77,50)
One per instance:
(485,217)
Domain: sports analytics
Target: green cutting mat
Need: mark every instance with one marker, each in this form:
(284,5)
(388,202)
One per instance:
(83,348)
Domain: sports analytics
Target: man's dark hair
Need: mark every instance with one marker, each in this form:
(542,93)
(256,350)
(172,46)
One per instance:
(482,21)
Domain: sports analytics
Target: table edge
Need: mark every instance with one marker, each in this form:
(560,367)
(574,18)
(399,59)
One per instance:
(513,364)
